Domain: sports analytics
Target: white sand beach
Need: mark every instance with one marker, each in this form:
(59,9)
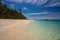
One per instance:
(14,29)
(28,30)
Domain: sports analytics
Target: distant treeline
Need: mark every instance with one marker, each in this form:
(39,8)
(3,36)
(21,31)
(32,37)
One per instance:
(6,13)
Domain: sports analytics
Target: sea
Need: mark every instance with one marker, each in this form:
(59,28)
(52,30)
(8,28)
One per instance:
(44,30)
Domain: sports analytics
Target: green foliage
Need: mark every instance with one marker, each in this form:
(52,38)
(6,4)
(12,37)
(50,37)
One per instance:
(6,13)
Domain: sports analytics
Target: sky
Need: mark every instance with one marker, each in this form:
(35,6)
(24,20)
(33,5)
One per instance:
(36,9)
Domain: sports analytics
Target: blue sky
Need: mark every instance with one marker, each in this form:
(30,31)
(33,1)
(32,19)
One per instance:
(36,9)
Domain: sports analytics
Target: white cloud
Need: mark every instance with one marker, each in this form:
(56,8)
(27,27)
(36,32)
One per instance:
(50,16)
(41,2)
(29,14)
(50,3)
(38,2)
(24,8)
(28,1)
(19,1)
(12,5)
(34,1)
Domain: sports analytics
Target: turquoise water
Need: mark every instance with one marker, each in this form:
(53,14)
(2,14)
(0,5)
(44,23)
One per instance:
(45,30)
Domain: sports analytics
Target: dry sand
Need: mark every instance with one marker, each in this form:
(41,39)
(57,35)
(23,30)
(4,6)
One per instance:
(14,29)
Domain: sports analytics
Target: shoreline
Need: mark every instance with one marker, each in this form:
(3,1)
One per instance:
(6,24)
(14,29)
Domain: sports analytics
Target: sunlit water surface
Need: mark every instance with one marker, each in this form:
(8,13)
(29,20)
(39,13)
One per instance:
(45,30)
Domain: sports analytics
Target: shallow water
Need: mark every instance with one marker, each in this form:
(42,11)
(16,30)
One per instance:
(45,30)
